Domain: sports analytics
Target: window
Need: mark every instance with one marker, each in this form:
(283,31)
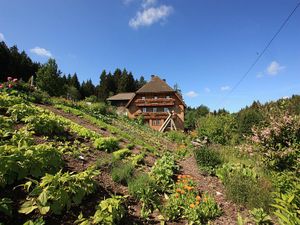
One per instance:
(144,110)
(155,122)
(155,97)
(168,97)
(166,110)
(143,98)
(155,110)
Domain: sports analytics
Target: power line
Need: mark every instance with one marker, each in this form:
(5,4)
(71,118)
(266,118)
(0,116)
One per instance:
(263,51)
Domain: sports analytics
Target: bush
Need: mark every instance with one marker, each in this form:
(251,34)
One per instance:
(177,136)
(122,172)
(208,159)
(39,96)
(108,144)
(218,129)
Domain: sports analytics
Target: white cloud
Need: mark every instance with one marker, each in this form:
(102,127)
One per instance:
(127,2)
(260,75)
(41,52)
(192,94)
(225,88)
(207,90)
(274,68)
(2,37)
(147,3)
(150,15)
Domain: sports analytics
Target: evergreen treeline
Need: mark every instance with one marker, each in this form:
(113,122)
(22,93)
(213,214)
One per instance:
(50,79)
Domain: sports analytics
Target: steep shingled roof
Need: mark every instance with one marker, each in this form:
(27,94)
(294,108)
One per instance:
(155,85)
(122,96)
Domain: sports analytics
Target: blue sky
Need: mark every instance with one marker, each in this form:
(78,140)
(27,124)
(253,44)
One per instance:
(203,45)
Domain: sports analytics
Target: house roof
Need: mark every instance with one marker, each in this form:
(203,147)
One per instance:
(155,85)
(122,96)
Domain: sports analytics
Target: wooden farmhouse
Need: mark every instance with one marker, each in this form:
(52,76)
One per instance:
(160,106)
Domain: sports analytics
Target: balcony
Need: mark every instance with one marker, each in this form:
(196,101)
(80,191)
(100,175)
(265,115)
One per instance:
(153,115)
(155,102)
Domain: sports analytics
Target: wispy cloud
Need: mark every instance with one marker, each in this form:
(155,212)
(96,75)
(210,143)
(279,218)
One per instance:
(149,16)
(225,88)
(207,90)
(148,3)
(127,2)
(41,52)
(2,37)
(192,94)
(274,68)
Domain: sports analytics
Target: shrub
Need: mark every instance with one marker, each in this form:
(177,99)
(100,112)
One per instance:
(208,159)
(144,188)
(280,142)
(39,96)
(177,136)
(218,129)
(108,144)
(121,154)
(122,172)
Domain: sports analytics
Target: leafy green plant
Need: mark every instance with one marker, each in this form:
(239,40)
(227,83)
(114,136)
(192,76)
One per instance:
(121,154)
(109,211)
(108,144)
(6,206)
(122,172)
(208,159)
(18,162)
(144,188)
(260,217)
(38,221)
(163,171)
(45,124)
(57,192)
(22,110)
(287,207)
(137,159)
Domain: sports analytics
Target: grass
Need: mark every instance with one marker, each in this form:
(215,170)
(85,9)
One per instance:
(122,172)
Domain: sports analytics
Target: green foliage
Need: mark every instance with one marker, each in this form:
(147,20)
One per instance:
(243,186)
(163,171)
(218,129)
(260,217)
(144,188)
(287,207)
(177,136)
(135,160)
(108,144)
(18,162)
(57,192)
(22,110)
(48,79)
(192,114)
(248,118)
(39,96)
(45,124)
(7,100)
(208,159)
(6,206)
(121,154)
(38,221)
(122,172)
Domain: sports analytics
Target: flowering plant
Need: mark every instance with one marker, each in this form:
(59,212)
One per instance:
(11,82)
(186,202)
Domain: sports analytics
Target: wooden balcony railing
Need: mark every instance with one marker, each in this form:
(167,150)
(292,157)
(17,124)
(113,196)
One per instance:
(155,102)
(153,115)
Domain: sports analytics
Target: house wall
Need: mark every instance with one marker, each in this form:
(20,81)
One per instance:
(178,108)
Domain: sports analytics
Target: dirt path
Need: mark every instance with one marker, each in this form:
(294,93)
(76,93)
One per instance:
(213,186)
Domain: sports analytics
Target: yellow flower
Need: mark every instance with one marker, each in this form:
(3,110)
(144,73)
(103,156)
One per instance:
(198,198)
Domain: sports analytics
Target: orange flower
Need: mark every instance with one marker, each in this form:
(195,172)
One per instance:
(198,198)
(178,190)
(192,205)
(197,203)
(182,192)
(177,195)
(183,176)
(205,200)
(190,188)
(179,176)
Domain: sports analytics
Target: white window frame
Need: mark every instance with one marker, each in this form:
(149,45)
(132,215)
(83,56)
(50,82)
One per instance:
(144,110)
